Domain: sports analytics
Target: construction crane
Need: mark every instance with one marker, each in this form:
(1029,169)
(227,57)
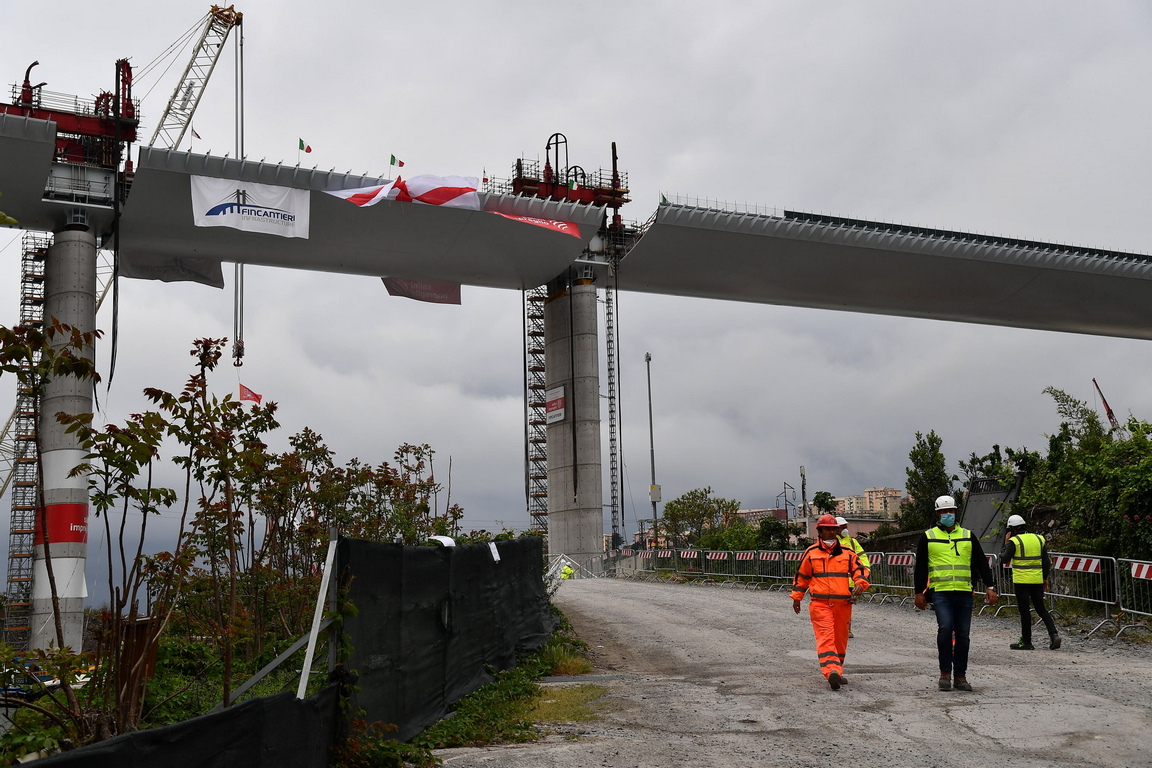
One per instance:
(177,117)
(1111,416)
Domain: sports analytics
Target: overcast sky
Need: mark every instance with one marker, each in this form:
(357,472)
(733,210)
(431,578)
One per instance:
(1026,119)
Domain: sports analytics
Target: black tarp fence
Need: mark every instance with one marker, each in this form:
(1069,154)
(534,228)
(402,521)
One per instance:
(278,731)
(432,620)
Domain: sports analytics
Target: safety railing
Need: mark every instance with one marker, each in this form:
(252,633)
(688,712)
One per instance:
(891,576)
(1123,586)
(1135,591)
(1087,579)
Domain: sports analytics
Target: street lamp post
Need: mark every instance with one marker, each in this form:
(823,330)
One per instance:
(653,490)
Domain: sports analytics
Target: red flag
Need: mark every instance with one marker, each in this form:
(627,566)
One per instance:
(424,290)
(567,227)
(247,394)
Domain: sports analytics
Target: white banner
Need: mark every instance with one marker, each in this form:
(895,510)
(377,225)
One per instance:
(251,207)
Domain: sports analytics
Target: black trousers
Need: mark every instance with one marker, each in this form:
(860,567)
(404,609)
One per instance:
(1033,594)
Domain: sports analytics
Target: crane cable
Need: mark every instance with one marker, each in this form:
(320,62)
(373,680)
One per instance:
(169,52)
(238,311)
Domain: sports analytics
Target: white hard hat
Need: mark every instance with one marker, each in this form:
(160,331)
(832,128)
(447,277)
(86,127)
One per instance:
(841,522)
(945,502)
(1016,521)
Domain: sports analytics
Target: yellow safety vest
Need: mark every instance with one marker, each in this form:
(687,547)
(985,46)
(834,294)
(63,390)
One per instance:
(949,559)
(1027,563)
(850,543)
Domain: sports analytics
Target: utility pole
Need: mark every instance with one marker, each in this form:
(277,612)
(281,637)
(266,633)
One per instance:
(803,493)
(653,489)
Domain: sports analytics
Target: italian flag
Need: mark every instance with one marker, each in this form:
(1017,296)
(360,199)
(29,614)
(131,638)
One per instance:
(397,163)
(305,147)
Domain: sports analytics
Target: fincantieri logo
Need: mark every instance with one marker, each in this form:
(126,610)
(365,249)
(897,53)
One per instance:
(248,211)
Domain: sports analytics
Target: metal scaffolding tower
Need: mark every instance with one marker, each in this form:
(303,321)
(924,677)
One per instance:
(535,410)
(610,341)
(21,452)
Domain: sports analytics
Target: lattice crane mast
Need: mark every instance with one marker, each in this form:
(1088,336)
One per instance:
(177,117)
(1108,410)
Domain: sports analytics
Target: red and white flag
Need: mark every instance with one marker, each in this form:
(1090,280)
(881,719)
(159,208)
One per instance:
(446,191)
(247,394)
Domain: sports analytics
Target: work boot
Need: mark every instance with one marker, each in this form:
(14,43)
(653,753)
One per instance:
(1054,642)
(1021,645)
(962,685)
(945,683)
(834,681)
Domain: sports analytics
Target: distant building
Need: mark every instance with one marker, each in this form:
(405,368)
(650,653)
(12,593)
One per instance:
(850,505)
(754,516)
(883,501)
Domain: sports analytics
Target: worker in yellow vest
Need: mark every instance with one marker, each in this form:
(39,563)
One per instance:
(1031,566)
(948,557)
(848,542)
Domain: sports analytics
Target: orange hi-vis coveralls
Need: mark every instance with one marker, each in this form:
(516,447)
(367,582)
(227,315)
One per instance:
(826,575)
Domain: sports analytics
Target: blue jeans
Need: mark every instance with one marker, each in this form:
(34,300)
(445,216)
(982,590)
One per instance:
(953,616)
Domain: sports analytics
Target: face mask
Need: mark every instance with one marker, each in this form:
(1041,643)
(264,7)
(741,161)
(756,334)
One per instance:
(828,543)
(948,519)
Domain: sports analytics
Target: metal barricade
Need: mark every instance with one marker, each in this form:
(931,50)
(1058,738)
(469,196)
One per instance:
(717,565)
(688,564)
(1001,601)
(897,582)
(1135,591)
(1086,578)
(647,566)
(745,568)
(772,569)
(875,559)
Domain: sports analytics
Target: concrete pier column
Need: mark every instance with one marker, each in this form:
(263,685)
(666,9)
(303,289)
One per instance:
(572,368)
(70,297)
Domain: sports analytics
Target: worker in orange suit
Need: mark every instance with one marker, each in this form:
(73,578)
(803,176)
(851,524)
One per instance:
(833,577)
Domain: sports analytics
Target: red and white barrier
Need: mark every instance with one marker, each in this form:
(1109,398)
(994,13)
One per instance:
(769,555)
(690,553)
(745,555)
(901,559)
(645,553)
(793,556)
(1142,570)
(717,555)
(1083,564)
(664,553)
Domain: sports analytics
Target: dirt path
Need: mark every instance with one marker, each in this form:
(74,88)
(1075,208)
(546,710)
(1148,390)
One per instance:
(709,676)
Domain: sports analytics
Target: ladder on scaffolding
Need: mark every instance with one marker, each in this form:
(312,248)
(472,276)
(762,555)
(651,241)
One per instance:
(535,410)
(19,447)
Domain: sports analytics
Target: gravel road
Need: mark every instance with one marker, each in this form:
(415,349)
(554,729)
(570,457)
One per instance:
(711,676)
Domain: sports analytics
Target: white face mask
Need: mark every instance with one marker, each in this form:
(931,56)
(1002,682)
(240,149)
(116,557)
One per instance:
(829,543)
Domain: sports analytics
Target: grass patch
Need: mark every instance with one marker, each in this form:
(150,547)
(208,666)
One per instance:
(567,704)
(503,711)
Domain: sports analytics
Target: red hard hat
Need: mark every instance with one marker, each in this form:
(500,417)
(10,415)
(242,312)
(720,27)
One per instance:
(827,521)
